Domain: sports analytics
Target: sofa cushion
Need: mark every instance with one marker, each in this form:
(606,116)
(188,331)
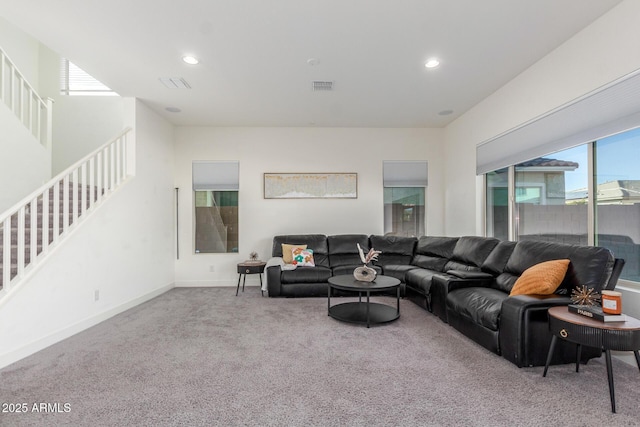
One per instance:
(316,242)
(397,270)
(473,250)
(459,266)
(433,252)
(541,279)
(343,249)
(481,305)
(590,266)
(420,280)
(436,246)
(305,275)
(498,257)
(287,251)
(396,250)
(302,257)
(348,269)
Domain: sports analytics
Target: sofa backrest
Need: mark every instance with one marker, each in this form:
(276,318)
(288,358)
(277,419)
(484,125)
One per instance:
(396,250)
(590,266)
(433,252)
(344,251)
(316,242)
(497,259)
(470,252)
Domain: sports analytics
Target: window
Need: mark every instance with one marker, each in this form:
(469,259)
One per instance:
(554,199)
(548,203)
(75,81)
(215,186)
(617,199)
(404,197)
(497,189)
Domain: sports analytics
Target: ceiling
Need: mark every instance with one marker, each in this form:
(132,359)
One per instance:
(254,54)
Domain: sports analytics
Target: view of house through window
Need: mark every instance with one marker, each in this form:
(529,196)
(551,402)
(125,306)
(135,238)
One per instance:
(551,198)
(215,189)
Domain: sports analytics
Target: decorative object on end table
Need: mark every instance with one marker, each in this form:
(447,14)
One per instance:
(366,273)
(582,295)
(612,302)
(253,258)
(595,312)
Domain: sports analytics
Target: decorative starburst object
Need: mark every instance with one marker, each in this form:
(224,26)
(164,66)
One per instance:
(253,256)
(582,295)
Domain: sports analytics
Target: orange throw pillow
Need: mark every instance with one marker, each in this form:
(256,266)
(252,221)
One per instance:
(541,279)
(287,255)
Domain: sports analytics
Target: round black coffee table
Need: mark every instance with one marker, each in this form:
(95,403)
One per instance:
(366,312)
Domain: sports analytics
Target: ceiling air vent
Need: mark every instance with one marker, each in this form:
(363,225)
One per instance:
(175,82)
(322,86)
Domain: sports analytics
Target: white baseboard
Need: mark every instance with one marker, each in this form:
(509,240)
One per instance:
(213,283)
(42,343)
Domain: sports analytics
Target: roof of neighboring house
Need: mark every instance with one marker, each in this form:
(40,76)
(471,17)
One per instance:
(546,162)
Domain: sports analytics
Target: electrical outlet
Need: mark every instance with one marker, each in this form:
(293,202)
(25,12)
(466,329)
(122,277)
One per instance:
(96,295)
(212,268)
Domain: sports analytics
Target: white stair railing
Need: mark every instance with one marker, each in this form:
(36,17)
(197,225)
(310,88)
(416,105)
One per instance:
(20,97)
(41,220)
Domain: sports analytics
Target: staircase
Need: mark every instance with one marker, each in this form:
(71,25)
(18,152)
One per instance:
(43,219)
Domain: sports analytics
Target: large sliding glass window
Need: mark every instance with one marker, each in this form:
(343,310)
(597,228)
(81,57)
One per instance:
(498,204)
(617,199)
(550,197)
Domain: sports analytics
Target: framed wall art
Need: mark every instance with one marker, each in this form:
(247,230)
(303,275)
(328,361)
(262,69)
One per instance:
(310,185)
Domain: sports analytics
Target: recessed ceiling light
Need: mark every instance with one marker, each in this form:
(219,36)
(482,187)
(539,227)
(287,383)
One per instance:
(191,60)
(445,112)
(432,63)
(313,61)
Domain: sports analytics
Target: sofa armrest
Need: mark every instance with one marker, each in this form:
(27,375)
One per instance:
(442,285)
(274,284)
(524,331)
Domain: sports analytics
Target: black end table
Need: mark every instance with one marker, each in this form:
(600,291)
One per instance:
(367,312)
(582,330)
(250,267)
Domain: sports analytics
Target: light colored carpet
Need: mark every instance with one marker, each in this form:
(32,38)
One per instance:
(203,357)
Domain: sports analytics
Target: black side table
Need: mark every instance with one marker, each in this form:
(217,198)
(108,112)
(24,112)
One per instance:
(249,267)
(582,330)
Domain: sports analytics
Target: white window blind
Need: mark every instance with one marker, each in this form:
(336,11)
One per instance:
(606,111)
(75,81)
(405,173)
(216,176)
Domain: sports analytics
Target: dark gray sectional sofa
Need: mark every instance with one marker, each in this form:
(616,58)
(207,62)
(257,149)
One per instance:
(465,281)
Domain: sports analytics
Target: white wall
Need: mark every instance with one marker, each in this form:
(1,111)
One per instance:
(21,155)
(124,250)
(601,53)
(22,49)
(261,150)
(28,159)
(80,123)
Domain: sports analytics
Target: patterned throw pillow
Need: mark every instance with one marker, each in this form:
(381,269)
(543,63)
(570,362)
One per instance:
(286,251)
(302,257)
